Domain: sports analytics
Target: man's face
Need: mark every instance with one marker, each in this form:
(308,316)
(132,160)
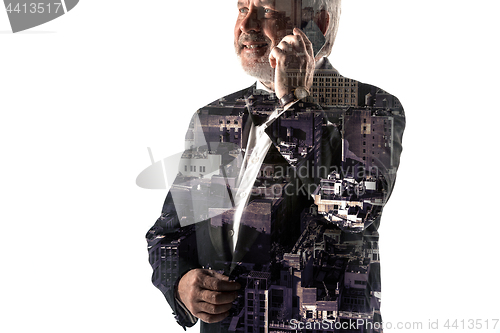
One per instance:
(260,26)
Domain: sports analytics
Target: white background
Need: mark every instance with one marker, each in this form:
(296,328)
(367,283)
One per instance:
(82,97)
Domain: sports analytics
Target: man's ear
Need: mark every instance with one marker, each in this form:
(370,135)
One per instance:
(322,20)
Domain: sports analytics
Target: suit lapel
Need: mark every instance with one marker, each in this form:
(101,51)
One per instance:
(277,135)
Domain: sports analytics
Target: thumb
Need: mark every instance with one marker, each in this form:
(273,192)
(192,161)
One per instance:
(272,60)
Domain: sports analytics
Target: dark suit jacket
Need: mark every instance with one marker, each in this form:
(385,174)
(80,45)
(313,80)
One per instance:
(317,184)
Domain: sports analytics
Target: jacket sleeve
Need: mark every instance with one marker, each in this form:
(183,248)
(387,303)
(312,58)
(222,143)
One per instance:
(172,250)
(171,255)
(362,150)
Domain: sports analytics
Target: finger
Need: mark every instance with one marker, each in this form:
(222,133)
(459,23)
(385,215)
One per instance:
(217,297)
(216,284)
(276,56)
(288,45)
(296,45)
(218,275)
(213,309)
(305,40)
(208,318)
(291,43)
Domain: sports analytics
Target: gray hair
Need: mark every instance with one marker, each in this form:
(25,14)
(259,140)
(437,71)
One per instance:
(333,9)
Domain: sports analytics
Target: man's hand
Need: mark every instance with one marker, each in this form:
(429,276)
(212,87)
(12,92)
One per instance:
(293,63)
(207,294)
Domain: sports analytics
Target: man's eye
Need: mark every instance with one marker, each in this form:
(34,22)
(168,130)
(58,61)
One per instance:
(243,10)
(269,11)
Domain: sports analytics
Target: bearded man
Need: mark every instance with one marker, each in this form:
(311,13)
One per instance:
(271,223)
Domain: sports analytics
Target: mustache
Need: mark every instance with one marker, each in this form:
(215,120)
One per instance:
(253,37)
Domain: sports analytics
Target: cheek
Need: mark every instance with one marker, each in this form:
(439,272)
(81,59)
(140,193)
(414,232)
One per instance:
(237,30)
(275,30)
(271,32)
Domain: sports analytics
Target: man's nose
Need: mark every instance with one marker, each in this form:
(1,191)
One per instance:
(251,22)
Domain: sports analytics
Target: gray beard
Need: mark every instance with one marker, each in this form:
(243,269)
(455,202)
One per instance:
(260,67)
(262,71)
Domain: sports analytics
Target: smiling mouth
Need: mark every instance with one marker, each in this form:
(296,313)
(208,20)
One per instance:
(254,46)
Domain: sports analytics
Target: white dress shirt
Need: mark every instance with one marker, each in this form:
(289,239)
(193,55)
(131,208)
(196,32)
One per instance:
(257,146)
